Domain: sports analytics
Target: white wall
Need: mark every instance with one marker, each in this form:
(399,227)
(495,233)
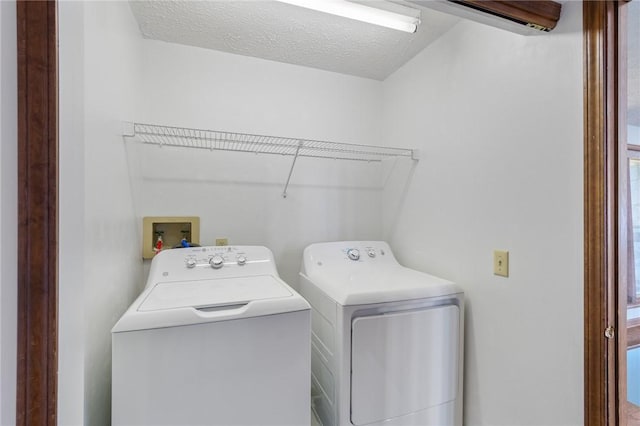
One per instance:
(499,120)
(8,211)
(71,287)
(238,195)
(100,268)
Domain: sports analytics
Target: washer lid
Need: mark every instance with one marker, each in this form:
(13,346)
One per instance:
(181,303)
(204,294)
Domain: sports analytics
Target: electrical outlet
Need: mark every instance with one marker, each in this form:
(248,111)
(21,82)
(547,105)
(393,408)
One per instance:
(222,242)
(501,263)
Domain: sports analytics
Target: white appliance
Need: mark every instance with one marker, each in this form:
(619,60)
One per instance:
(215,338)
(387,341)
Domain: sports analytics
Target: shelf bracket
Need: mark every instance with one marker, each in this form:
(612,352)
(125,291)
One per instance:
(295,157)
(128,129)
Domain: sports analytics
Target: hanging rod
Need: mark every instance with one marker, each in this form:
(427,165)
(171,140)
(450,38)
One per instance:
(260,144)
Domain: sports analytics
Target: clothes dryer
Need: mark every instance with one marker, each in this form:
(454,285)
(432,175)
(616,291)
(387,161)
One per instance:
(215,338)
(387,341)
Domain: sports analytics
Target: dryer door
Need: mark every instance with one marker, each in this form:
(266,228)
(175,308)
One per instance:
(403,362)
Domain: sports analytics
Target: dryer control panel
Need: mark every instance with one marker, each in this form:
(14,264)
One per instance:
(195,263)
(355,251)
(347,255)
(371,251)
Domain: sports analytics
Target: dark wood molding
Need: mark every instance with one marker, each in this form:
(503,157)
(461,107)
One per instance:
(626,258)
(36,397)
(600,213)
(541,14)
(634,414)
(626,232)
(633,333)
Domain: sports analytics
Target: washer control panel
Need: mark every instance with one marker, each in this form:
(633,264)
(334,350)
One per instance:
(196,263)
(219,256)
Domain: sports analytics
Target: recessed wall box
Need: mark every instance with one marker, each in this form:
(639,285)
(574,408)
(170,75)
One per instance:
(171,230)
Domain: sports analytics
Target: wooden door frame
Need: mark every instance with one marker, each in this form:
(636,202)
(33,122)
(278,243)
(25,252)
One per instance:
(37,210)
(604,164)
(37,359)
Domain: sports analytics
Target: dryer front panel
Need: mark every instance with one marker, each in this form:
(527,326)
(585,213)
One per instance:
(403,362)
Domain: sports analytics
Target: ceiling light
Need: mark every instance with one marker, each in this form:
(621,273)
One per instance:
(360,12)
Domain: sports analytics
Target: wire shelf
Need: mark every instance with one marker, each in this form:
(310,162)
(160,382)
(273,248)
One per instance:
(260,144)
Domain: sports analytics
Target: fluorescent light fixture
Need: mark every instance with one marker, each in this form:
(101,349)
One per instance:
(361,12)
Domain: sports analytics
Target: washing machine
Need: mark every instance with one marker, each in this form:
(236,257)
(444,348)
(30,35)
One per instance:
(215,338)
(387,341)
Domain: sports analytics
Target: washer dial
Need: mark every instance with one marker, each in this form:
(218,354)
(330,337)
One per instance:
(216,262)
(354,254)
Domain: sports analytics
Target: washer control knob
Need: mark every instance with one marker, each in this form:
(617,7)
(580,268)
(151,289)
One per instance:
(191,263)
(371,253)
(241,260)
(216,262)
(354,254)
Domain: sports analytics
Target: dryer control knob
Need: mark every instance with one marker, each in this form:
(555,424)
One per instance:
(241,260)
(371,253)
(216,262)
(191,263)
(354,254)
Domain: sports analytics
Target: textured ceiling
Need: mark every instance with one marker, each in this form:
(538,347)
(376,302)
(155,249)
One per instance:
(285,33)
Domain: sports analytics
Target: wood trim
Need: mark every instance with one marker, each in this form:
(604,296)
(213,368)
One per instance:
(626,234)
(633,333)
(542,14)
(600,213)
(633,411)
(626,259)
(37,388)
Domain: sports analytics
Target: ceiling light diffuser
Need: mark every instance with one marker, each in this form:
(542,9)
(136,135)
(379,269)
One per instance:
(361,12)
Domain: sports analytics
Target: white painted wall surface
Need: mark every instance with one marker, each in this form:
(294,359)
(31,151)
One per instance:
(100,270)
(238,195)
(71,286)
(112,263)
(8,211)
(499,120)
